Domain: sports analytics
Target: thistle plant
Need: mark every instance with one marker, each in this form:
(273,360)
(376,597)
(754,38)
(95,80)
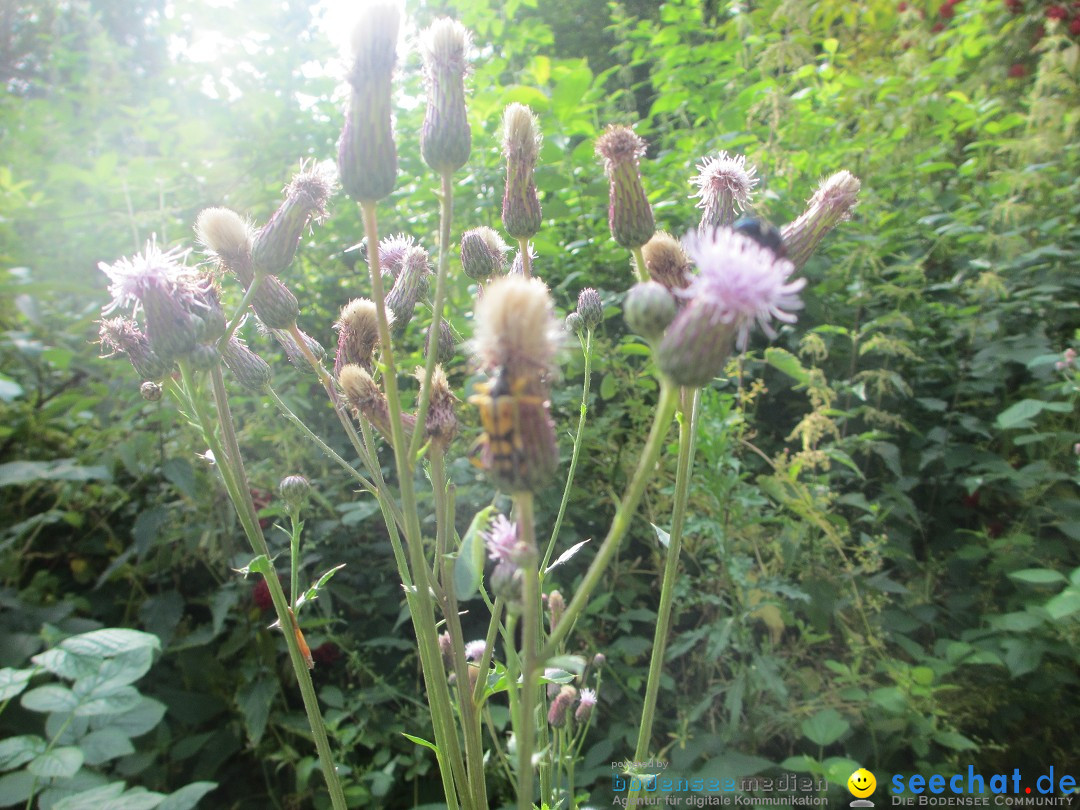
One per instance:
(695,303)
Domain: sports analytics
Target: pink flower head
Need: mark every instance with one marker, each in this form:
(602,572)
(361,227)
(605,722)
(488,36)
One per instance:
(741,282)
(501,539)
(588,697)
(475,650)
(151,271)
(725,185)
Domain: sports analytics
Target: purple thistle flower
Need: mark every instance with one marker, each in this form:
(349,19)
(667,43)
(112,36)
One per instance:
(475,650)
(501,540)
(153,269)
(586,702)
(741,282)
(725,184)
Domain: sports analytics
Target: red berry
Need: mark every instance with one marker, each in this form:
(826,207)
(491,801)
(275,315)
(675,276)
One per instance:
(260,595)
(938,26)
(1057,13)
(1074,27)
(1017,71)
(946,12)
(901,7)
(1015,6)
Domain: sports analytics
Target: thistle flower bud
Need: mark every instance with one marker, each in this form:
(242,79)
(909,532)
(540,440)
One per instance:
(630,216)
(358,334)
(517,267)
(483,253)
(295,490)
(445,139)
(831,204)
(275,304)
(446,649)
(666,261)
(556,608)
(445,347)
(411,284)
(442,422)
(725,186)
(599,660)
(123,336)
(590,307)
(293,351)
(574,323)
(392,252)
(521,147)
(560,706)
(648,309)
(228,238)
(515,327)
(585,706)
(506,583)
(204,357)
(150,391)
(211,313)
(367,156)
(275,244)
(250,370)
(368,400)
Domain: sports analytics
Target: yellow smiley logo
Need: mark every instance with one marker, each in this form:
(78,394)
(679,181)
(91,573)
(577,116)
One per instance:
(861,783)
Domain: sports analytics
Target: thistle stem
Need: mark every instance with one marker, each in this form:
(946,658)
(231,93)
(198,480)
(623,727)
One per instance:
(420,603)
(241,311)
(623,516)
(530,625)
(231,466)
(639,265)
(446,212)
(574,456)
(688,420)
(526,259)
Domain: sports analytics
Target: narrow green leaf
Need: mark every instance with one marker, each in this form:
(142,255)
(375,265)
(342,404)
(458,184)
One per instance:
(313,592)
(421,741)
(1038,576)
(109,642)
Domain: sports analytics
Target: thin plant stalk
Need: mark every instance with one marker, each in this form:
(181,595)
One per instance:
(624,515)
(688,420)
(235,478)
(526,259)
(530,625)
(421,607)
(241,312)
(470,715)
(639,265)
(574,455)
(446,213)
(294,558)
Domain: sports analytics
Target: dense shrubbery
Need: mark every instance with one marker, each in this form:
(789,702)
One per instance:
(881,565)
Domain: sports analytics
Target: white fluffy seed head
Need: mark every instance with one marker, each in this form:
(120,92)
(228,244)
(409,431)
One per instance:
(516,327)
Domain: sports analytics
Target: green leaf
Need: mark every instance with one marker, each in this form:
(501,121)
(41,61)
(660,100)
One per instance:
(17,751)
(254,701)
(49,698)
(1065,604)
(13,681)
(137,721)
(469,565)
(134,799)
(313,592)
(187,797)
(955,741)
(890,699)
(571,663)
(59,763)
(608,386)
(259,565)
(15,788)
(109,642)
(1020,414)
(839,769)
(923,676)
(15,473)
(421,741)
(1038,576)
(119,700)
(787,363)
(66,664)
(108,743)
(825,727)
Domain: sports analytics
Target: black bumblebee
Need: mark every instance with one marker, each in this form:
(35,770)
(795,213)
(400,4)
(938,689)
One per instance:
(763,233)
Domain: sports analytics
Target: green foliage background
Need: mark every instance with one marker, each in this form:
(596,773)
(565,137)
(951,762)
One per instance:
(882,563)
